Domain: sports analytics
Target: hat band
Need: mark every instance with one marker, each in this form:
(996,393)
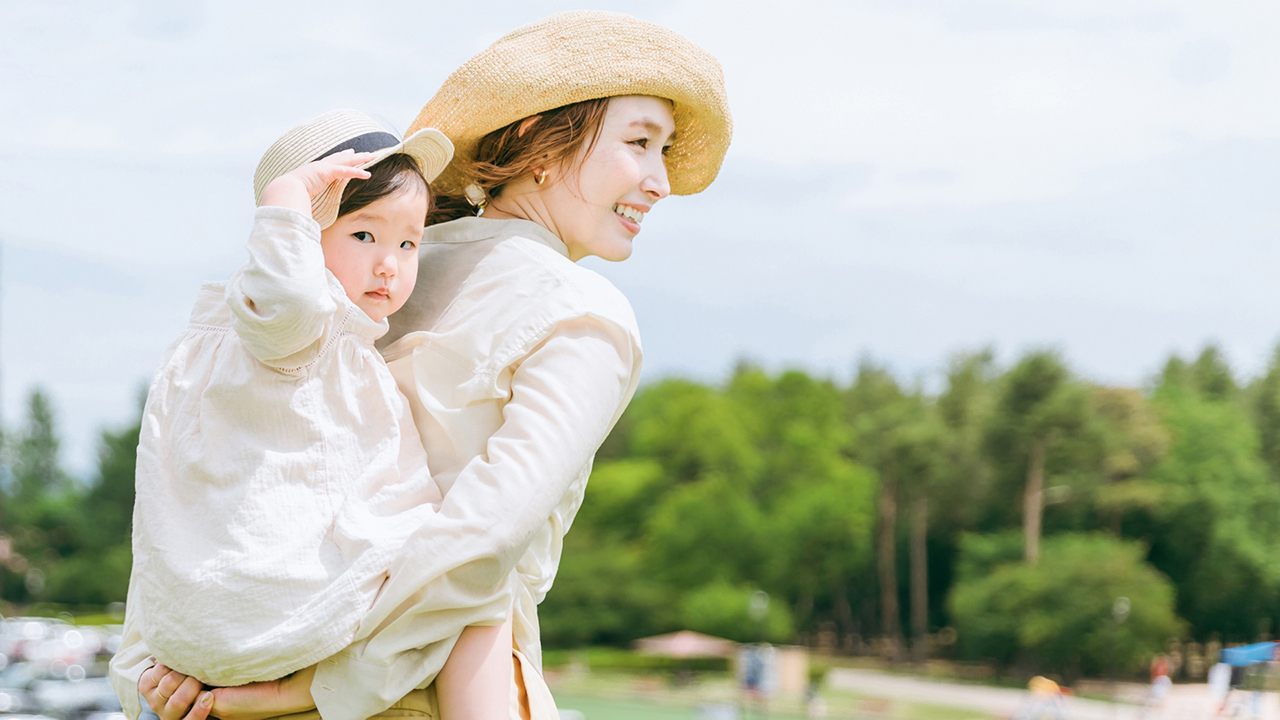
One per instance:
(368,142)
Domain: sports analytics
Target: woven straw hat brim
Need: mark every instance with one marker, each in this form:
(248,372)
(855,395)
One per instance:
(303,144)
(576,56)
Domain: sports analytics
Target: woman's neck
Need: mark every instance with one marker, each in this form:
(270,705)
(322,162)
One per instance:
(520,207)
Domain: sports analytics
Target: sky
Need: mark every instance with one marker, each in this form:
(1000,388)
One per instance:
(908,179)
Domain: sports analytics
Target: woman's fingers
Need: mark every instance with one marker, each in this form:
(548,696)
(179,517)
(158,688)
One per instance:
(150,678)
(169,684)
(183,699)
(200,710)
(149,687)
(172,695)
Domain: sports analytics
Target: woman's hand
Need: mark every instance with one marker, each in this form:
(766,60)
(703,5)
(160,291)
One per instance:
(174,696)
(296,189)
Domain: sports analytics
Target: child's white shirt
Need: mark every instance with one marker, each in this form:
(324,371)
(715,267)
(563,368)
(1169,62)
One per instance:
(279,470)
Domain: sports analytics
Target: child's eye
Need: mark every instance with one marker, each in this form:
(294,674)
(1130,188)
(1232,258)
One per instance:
(362,236)
(408,245)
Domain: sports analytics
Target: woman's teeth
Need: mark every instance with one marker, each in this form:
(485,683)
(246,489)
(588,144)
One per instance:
(629,213)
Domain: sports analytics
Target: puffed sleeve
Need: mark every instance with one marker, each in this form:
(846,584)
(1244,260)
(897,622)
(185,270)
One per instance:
(458,569)
(129,662)
(281,300)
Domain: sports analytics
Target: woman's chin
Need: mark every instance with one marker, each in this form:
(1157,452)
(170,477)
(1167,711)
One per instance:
(615,250)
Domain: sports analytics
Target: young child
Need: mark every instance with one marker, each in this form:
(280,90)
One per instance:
(278,468)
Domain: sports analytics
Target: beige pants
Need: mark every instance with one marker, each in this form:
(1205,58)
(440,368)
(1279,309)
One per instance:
(530,698)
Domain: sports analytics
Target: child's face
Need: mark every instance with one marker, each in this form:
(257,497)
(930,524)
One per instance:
(374,251)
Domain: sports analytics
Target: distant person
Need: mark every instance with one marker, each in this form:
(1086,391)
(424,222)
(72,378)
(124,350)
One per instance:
(516,361)
(1047,700)
(1160,685)
(1219,686)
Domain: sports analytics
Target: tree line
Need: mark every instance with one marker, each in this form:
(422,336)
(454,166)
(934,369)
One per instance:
(1019,515)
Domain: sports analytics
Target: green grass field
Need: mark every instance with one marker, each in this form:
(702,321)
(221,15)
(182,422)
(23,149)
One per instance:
(602,709)
(685,706)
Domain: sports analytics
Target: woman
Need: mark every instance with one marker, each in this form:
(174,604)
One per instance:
(516,361)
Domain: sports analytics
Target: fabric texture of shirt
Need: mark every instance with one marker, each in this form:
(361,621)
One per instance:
(516,363)
(279,471)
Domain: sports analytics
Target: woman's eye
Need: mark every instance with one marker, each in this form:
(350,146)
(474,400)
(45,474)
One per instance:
(362,236)
(641,142)
(666,149)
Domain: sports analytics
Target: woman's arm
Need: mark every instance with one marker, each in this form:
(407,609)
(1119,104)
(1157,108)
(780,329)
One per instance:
(456,571)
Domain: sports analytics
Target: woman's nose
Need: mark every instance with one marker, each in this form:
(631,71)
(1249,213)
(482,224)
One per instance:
(656,185)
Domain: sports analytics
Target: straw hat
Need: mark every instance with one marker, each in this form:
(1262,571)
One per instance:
(339,130)
(575,56)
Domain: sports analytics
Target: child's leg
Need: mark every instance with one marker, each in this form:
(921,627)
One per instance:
(475,682)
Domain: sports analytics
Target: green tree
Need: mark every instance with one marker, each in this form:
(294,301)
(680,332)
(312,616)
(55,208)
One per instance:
(920,457)
(1265,395)
(1216,532)
(879,412)
(964,409)
(707,530)
(821,539)
(692,430)
(1058,615)
(603,594)
(1042,422)
(1134,442)
(41,507)
(725,610)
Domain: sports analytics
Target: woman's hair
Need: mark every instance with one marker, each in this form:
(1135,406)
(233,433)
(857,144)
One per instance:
(555,138)
(392,175)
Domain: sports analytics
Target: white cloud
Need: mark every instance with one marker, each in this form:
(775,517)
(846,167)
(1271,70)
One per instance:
(908,177)
(1013,101)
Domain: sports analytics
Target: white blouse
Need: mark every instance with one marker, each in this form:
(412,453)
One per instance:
(278,471)
(516,363)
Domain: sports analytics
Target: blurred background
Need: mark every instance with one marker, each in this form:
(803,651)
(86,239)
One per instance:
(965,367)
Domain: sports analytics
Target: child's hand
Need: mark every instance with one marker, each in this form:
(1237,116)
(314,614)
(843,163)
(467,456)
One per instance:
(296,189)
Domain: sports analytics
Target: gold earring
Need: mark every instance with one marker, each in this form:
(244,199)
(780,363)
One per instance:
(540,176)
(475,196)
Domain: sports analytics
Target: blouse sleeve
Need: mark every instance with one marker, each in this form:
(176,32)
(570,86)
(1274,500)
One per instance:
(281,301)
(457,569)
(128,663)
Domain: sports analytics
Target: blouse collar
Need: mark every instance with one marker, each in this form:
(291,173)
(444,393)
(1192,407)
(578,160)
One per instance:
(472,229)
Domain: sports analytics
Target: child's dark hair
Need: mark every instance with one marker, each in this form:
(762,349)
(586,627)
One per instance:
(393,174)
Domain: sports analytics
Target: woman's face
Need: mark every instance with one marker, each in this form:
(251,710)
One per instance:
(596,207)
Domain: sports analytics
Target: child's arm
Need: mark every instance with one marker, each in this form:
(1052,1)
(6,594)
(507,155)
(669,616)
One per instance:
(281,302)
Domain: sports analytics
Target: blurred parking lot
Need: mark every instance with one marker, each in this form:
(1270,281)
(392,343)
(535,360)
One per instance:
(50,668)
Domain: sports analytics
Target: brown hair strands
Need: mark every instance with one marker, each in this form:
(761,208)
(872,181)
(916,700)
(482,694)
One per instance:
(554,138)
